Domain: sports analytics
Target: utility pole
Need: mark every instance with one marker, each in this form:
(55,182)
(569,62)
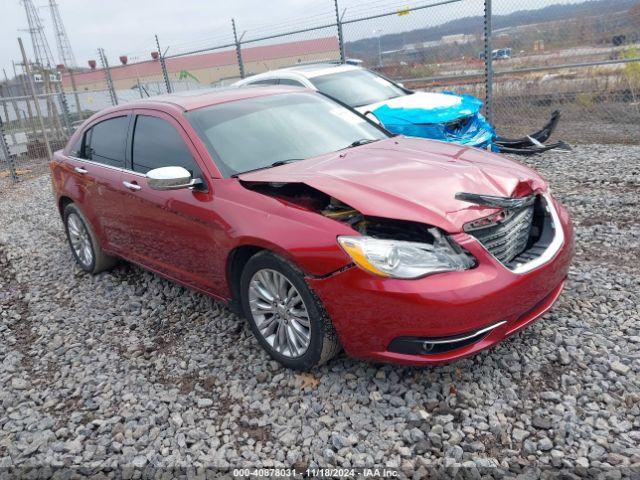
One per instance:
(41,50)
(43,59)
(65,53)
(32,89)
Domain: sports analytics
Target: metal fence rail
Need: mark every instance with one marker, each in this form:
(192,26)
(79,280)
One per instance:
(523,64)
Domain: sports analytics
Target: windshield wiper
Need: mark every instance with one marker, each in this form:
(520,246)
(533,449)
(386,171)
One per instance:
(274,164)
(362,141)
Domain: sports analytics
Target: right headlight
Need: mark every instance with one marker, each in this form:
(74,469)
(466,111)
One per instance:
(407,260)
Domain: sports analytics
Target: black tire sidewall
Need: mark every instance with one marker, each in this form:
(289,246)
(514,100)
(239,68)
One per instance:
(69,209)
(270,261)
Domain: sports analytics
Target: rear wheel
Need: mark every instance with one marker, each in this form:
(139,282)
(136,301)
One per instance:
(84,243)
(285,315)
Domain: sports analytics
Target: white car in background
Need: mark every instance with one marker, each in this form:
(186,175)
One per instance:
(355,86)
(440,116)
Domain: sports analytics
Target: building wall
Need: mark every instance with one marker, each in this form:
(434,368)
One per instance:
(212,67)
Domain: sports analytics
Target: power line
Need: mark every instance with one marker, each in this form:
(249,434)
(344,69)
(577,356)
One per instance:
(41,50)
(65,53)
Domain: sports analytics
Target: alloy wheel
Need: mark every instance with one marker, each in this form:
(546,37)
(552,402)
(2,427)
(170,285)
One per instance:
(280,313)
(80,239)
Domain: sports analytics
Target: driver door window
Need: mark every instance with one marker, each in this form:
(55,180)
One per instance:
(156,143)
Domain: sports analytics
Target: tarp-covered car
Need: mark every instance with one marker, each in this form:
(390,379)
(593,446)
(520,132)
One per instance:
(441,116)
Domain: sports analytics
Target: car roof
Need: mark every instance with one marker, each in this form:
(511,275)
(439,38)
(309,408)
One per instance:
(317,69)
(194,99)
(306,71)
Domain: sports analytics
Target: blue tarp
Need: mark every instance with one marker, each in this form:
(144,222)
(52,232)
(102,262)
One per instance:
(434,123)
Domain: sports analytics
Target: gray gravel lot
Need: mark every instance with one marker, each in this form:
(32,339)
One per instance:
(127,369)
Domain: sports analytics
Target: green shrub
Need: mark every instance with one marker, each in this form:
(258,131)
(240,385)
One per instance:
(632,69)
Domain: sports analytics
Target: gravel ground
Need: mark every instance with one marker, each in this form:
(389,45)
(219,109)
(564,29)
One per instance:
(126,370)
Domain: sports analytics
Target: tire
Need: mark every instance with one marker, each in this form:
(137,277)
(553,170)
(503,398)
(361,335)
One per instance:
(323,343)
(92,259)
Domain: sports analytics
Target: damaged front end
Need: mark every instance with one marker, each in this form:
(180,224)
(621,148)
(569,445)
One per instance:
(382,246)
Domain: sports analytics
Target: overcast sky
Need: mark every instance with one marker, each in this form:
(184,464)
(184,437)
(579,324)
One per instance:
(128,26)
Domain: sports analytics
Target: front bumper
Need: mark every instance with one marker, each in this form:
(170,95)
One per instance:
(369,312)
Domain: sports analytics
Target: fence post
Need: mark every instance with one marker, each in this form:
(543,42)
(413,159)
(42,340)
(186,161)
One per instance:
(25,92)
(52,109)
(163,65)
(340,36)
(238,49)
(4,148)
(107,73)
(75,93)
(488,61)
(32,88)
(64,107)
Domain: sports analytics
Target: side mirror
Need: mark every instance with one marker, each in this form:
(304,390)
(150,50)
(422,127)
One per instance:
(171,178)
(401,85)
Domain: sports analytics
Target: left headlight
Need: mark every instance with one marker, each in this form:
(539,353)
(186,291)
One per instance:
(402,259)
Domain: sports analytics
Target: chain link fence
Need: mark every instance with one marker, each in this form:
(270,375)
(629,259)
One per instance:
(581,59)
(432,46)
(25,135)
(528,58)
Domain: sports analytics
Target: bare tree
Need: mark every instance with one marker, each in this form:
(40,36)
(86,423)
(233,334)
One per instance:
(634,15)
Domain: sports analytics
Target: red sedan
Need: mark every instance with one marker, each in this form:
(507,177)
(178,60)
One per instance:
(321,228)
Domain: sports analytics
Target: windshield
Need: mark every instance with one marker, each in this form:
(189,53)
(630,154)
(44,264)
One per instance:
(257,132)
(357,88)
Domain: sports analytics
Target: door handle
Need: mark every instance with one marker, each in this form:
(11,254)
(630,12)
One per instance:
(132,186)
(80,170)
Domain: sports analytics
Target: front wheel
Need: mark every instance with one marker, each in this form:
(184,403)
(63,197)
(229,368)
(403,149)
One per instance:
(285,315)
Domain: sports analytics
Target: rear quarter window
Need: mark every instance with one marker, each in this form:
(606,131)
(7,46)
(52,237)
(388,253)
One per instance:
(76,149)
(106,142)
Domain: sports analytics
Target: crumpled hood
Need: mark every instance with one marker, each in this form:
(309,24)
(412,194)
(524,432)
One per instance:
(410,179)
(421,108)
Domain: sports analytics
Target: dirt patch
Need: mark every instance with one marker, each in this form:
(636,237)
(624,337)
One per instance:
(12,300)
(547,378)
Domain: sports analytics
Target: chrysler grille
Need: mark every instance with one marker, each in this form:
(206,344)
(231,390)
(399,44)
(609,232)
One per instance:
(508,235)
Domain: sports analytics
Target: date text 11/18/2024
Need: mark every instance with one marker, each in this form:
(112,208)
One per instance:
(315,472)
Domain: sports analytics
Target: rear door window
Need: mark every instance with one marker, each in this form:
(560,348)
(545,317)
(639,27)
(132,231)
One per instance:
(106,142)
(156,143)
(268,81)
(289,81)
